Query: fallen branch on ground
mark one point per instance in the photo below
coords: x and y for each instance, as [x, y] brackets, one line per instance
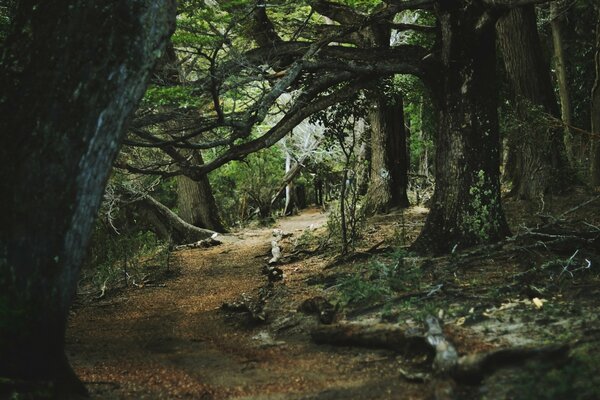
[205, 243]
[433, 344]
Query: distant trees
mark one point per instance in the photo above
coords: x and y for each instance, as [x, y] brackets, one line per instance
[70, 75]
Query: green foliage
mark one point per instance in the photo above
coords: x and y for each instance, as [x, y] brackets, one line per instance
[479, 220]
[7, 9]
[420, 118]
[116, 260]
[355, 221]
[245, 188]
[306, 240]
[171, 96]
[371, 284]
[377, 280]
[362, 6]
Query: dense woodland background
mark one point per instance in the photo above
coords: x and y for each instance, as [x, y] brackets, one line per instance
[132, 127]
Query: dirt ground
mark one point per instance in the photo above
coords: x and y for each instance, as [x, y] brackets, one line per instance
[174, 340]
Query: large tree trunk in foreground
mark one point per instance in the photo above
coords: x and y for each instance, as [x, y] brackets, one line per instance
[389, 164]
[595, 104]
[70, 75]
[196, 202]
[465, 208]
[536, 162]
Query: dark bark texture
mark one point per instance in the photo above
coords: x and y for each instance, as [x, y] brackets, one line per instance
[70, 75]
[389, 165]
[557, 22]
[465, 208]
[595, 108]
[389, 160]
[535, 163]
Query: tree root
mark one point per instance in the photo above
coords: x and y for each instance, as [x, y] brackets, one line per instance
[445, 362]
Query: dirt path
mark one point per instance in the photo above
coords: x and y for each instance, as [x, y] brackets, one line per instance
[175, 342]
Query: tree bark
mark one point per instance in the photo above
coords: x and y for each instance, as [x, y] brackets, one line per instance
[388, 155]
[389, 164]
[535, 153]
[560, 66]
[465, 208]
[595, 107]
[196, 202]
[70, 75]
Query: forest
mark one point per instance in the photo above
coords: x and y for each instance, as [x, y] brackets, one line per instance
[319, 199]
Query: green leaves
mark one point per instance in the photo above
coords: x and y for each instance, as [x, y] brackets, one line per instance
[172, 96]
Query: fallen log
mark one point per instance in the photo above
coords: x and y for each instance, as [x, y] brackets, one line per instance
[445, 363]
[205, 243]
[382, 336]
[162, 221]
[320, 306]
[473, 368]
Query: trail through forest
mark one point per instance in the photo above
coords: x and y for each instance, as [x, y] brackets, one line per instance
[515, 312]
[176, 342]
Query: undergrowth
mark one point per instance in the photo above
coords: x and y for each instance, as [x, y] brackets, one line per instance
[379, 280]
[119, 260]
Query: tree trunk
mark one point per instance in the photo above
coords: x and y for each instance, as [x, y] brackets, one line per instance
[290, 197]
[196, 202]
[536, 152]
[70, 75]
[465, 207]
[389, 164]
[595, 104]
[560, 66]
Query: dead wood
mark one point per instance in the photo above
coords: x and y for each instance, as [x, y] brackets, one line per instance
[383, 336]
[253, 306]
[210, 242]
[472, 368]
[164, 223]
[445, 362]
[319, 306]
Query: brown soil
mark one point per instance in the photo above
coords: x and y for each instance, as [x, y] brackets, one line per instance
[175, 341]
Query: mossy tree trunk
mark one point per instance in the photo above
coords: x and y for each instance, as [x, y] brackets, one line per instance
[465, 208]
[70, 75]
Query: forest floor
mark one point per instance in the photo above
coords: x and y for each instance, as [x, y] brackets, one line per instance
[534, 294]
